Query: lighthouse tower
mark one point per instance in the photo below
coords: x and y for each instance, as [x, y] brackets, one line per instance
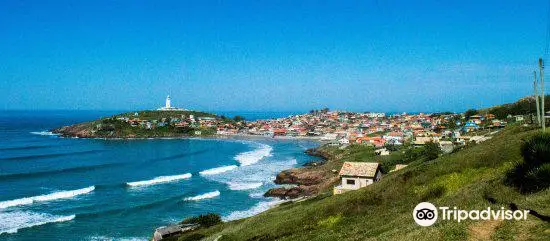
[167, 102]
[168, 106]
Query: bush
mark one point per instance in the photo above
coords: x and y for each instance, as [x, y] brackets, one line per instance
[431, 151]
[205, 220]
[536, 151]
[533, 174]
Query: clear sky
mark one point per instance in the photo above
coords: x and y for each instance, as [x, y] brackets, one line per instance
[368, 55]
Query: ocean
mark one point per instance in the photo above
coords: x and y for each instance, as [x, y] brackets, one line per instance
[54, 188]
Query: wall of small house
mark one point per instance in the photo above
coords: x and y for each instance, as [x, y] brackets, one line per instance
[359, 182]
[378, 175]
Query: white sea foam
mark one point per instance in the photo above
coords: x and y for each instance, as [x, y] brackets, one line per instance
[105, 238]
[161, 179]
[256, 195]
[217, 170]
[258, 208]
[251, 157]
[46, 197]
[44, 133]
[18, 220]
[244, 185]
[203, 196]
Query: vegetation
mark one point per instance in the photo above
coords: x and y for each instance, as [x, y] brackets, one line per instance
[472, 178]
[470, 113]
[205, 220]
[521, 107]
[430, 151]
[533, 173]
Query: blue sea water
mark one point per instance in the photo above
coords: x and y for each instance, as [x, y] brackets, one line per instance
[54, 188]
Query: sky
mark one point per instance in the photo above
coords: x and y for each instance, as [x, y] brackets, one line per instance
[368, 55]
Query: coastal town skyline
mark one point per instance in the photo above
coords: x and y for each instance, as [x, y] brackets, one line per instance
[360, 56]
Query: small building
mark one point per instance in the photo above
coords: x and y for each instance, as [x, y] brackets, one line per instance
[173, 230]
[382, 152]
[355, 175]
[446, 146]
[344, 141]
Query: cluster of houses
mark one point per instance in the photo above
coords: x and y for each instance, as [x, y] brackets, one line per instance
[376, 129]
[343, 128]
[178, 121]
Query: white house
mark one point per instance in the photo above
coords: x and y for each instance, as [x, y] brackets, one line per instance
[375, 114]
[344, 141]
[355, 175]
[382, 152]
[329, 136]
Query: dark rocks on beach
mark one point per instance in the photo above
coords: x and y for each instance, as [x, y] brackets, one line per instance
[300, 176]
[309, 180]
[291, 193]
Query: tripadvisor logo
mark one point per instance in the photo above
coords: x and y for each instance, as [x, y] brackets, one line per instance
[425, 214]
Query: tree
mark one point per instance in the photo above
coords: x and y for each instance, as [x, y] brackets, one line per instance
[238, 118]
[470, 112]
[431, 151]
[204, 220]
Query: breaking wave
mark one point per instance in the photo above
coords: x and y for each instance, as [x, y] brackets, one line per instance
[203, 196]
[251, 157]
[20, 220]
[105, 238]
[258, 208]
[46, 197]
[244, 185]
[161, 179]
[217, 170]
[44, 133]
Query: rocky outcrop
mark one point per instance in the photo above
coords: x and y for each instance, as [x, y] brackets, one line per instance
[293, 192]
[82, 130]
[309, 180]
[300, 176]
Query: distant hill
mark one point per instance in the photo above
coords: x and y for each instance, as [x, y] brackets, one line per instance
[472, 178]
[523, 106]
[143, 124]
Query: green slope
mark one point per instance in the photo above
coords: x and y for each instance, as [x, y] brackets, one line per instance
[472, 178]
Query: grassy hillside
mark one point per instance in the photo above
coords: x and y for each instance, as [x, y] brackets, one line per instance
[472, 178]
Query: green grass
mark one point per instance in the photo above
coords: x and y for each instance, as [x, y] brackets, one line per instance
[467, 179]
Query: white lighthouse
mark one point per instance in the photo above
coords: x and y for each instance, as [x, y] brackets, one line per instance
[168, 106]
[167, 102]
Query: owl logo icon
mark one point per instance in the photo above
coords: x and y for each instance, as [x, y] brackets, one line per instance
[425, 214]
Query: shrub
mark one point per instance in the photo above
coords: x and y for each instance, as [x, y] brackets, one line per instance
[204, 220]
[533, 174]
[536, 151]
[431, 151]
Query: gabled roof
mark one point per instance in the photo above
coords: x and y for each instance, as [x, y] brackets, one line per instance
[359, 169]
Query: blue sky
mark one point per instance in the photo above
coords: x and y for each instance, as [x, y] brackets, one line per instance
[368, 55]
